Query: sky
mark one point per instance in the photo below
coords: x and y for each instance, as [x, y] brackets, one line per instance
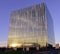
[7, 6]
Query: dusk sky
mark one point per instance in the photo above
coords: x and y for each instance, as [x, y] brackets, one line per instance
[7, 6]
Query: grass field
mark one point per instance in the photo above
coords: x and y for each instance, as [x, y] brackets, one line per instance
[15, 52]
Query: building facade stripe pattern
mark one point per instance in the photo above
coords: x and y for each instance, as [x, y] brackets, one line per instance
[31, 26]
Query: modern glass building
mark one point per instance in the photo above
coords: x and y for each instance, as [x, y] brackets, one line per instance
[31, 26]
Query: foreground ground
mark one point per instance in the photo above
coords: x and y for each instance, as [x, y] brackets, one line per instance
[31, 52]
[19, 51]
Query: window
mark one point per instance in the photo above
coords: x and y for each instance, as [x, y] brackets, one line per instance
[33, 13]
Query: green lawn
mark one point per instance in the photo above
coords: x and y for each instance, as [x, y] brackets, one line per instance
[15, 52]
[12, 52]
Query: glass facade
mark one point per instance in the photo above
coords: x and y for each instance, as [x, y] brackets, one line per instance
[29, 26]
[50, 29]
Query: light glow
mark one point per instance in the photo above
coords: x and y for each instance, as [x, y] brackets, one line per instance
[16, 45]
[28, 44]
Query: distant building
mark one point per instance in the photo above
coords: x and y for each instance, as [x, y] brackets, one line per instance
[57, 46]
[31, 26]
[3, 44]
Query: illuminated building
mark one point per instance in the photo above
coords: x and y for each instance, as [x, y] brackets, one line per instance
[31, 26]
